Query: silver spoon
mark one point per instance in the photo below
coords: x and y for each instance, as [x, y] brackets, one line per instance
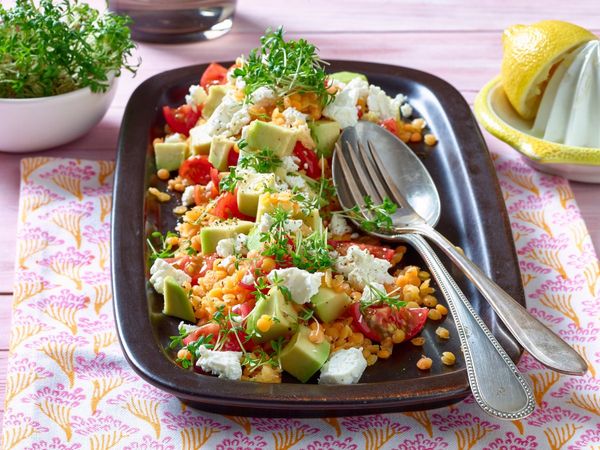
[420, 213]
[497, 385]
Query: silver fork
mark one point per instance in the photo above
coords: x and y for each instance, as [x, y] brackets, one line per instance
[497, 385]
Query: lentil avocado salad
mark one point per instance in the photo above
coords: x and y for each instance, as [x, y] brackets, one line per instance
[263, 268]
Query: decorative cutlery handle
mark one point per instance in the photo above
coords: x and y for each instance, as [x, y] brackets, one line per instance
[496, 383]
[534, 336]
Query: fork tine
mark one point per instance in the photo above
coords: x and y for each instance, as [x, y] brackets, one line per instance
[362, 175]
[374, 174]
[385, 175]
[355, 192]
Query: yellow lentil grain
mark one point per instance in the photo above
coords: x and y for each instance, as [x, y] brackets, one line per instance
[418, 341]
[179, 187]
[434, 314]
[410, 293]
[384, 354]
[398, 336]
[424, 363]
[430, 139]
[418, 123]
[163, 174]
[357, 338]
[371, 359]
[161, 196]
[412, 305]
[172, 240]
[268, 264]
[430, 301]
[415, 137]
[424, 275]
[180, 210]
[448, 358]
[442, 333]
[316, 336]
[441, 309]
[184, 353]
[264, 323]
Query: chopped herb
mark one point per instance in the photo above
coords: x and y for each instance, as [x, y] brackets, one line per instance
[312, 252]
[164, 250]
[287, 67]
[306, 314]
[277, 240]
[380, 215]
[257, 359]
[262, 161]
[229, 182]
[378, 296]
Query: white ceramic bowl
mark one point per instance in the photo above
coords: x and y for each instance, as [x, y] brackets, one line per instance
[41, 123]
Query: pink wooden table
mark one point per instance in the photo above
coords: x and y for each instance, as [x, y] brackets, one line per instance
[458, 40]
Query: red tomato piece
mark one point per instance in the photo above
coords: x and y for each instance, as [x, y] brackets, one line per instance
[227, 207]
[190, 266]
[199, 194]
[378, 251]
[196, 169]
[205, 330]
[359, 324]
[391, 125]
[243, 309]
[309, 161]
[182, 119]
[214, 177]
[214, 74]
[232, 158]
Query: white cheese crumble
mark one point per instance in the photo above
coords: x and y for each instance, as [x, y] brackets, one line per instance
[301, 283]
[175, 138]
[240, 83]
[227, 261]
[289, 163]
[293, 117]
[162, 269]
[304, 136]
[187, 198]
[248, 279]
[228, 118]
[186, 327]
[197, 95]
[343, 108]
[225, 247]
[224, 364]
[339, 225]
[263, 96]
[406, 110]
[345, 366]
[361, 268]
[295, 181]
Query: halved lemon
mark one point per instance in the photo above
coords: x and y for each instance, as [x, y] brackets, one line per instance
[531, 52]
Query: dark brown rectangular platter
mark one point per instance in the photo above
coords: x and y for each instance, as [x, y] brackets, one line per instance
[473, 216]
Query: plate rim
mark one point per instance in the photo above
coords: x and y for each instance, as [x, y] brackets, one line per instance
[331, 400]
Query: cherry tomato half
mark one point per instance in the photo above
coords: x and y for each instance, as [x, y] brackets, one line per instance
[232, 158]
[214, 74]
[309, 161]
[196, 169]
[379, 322]
[378, 251]
[182, 119]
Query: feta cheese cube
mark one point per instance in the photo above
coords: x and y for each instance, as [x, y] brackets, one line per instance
[197, 95]
[228, 118]
[361, 268]
[187, 198]
[295, 181]
[293, 117]
[345, 366]
[406, 110]
[248, 279]
[162, 269]
[289, 163]
[175, 138]
[263, 96]
[224, 364]
[301, 283]
[369, 295]
[339, 225]
[225, 247]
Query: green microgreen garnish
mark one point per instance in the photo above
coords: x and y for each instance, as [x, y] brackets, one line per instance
[59, 47]
[261, 161]
[378, 296]
[160, 246]
[381, 214]
[277, 238]
[311, 253]
[229, 182]
[287, 67]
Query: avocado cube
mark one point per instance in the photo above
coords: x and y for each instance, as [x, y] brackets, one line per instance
[285, 318]
[219, 151]
[212, 234]
[200, 141]
[169, 155]
[279, 139]
[347, 77]
[329, 304]
[325, 133]
[250, 189]
[215, 95]
[177, 303]
[253, 241]
[302, 358]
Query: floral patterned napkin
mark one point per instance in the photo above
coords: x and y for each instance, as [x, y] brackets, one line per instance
[69, 387]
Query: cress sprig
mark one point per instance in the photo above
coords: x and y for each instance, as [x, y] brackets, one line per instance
[287, 67]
